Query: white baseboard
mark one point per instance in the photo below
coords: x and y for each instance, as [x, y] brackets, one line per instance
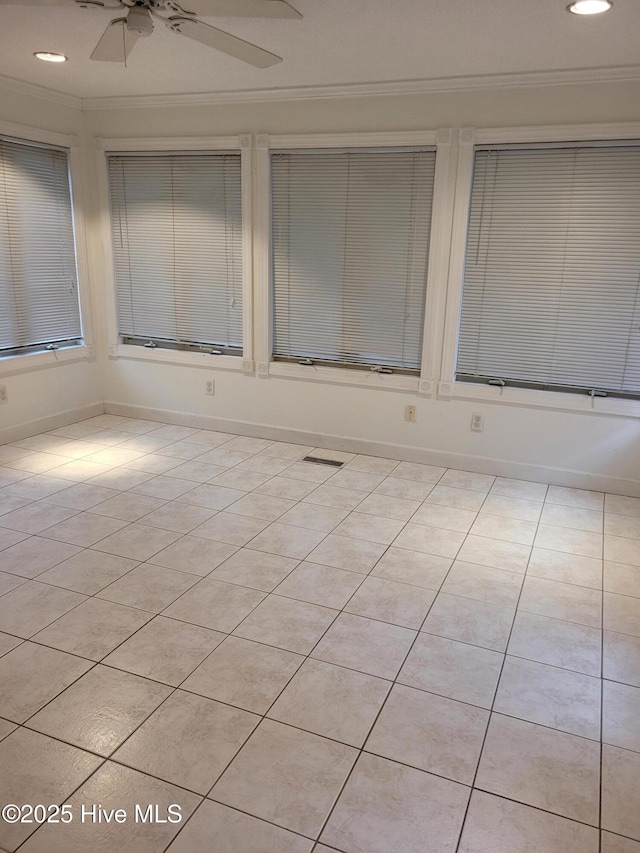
[24, 430]
[447, 459]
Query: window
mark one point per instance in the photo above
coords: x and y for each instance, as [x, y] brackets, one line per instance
[350, 247]
[551, 293]
[177, 238]
[38, 276]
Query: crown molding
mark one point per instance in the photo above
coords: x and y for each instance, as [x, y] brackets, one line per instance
[627, 73]
[20, 87]
[520, 80]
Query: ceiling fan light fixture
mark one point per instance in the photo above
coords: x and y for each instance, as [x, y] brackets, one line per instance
[48, 56]
[139, 21]
[589, 7]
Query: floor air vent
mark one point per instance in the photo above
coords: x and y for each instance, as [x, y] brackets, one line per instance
[319, 461]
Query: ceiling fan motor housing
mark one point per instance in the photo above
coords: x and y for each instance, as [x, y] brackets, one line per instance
[139, 21]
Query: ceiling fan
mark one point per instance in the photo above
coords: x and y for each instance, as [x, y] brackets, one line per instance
[122, 33]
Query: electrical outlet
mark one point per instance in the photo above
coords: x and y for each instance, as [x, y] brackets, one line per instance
[211, 387]
[410, 413]
[477, 422]
[4, 397]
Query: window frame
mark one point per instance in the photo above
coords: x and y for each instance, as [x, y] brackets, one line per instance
[449, 387]
[442, 212]
[13, 363]
[179, 145]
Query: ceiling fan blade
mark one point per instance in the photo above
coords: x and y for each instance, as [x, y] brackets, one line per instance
[116, 43]
[236, 8]
[224, 42]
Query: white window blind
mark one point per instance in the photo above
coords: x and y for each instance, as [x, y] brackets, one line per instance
[552, 274]
[350, 249]
[38, 278]
[177, 238]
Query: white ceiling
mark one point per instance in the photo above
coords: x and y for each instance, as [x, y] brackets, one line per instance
[337, 42]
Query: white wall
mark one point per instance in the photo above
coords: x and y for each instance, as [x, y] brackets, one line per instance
[573, 448]
[566, 448]
[42, 397]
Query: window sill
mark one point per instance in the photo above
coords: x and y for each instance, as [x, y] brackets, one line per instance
[342, 376]
[39, 360]
[538, 399]
[168, 356]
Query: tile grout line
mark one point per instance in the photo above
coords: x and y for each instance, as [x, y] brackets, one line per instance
[306, 658]
[497, 688]
[377, 716]
[602, 624]
[504, 656]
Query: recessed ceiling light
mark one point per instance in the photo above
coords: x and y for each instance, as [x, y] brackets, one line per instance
[589, 7]
[50, 57]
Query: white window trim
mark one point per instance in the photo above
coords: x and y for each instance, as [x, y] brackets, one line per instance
[23, 363]
[448, 386]
[115, 349]
[438, 257]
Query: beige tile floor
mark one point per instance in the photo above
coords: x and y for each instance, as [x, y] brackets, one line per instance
[385, 658]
